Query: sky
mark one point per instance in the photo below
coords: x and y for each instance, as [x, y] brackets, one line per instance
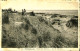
[39, 5]
[49, 6]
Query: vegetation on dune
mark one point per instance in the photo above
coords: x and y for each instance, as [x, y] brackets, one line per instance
[72, 23]
[54, 15]
[5, 18]
[32, 13]
[41, 19]
[34, 31]
[59, 41]
[46, 36]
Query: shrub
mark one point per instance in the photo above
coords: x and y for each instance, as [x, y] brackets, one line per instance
[54, 15]
[40, 41]
[53, 23]
[32, 13]
[72, 22]
[41, 19]
[3, 41]
[26, 27]
[5, 18]
[46, 22]
[63, 16]
[75, 16]
[27, 21]
[58, 41]
[75, 44]
[12, 44]
[46, 36]
[4, 38]
[34, 31]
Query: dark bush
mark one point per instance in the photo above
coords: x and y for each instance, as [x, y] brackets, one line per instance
[72, 22]
[58, 41]
[69, 24]
[72, 44]
[5, 18]
[75, 16]
[33, 42]
[54, 15]
[4, 31]
[53, 23]
[26, 27]
[46, 22]
[27, 21]
[63, 16]
[4, 41]
[12, 44]
[40, 41]
[75, 44]
[34, 31]
[46, 36]
[41, 19]
[32, 13]
[9, 9]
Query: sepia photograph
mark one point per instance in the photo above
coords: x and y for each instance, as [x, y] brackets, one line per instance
[39, 28]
